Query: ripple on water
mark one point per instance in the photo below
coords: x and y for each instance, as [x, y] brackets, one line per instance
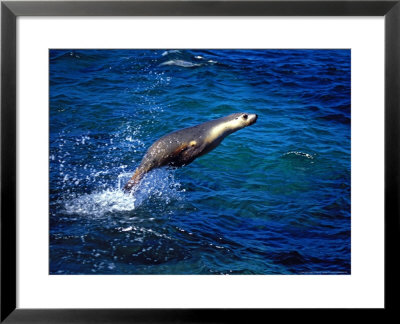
[297, 154]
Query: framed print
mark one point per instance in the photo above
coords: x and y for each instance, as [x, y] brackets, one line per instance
[180, 160]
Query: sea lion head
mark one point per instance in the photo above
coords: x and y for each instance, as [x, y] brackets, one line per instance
[241, 120]
[245, 118]
[227, 125]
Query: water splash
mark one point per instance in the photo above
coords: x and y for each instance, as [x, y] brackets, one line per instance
[158, 186]
[99, 203]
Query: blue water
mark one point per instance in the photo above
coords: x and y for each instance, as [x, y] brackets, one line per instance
[273, 198]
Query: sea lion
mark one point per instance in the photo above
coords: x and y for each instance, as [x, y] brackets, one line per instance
[182, 147]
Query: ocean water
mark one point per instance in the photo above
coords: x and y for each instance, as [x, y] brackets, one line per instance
[272, 198]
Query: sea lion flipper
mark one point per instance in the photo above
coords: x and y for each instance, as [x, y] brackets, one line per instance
[137, 176]
[184, 154]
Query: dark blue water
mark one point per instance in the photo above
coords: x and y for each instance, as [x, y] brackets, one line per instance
[273, 198]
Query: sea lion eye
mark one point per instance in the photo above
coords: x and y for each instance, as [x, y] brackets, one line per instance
[245, 116]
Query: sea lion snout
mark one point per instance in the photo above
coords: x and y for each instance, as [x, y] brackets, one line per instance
[244, 119]
[252, 118]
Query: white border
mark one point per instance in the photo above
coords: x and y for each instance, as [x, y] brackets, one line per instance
[363, 288]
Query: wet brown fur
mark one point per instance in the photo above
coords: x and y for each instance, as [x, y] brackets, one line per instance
[182, 147]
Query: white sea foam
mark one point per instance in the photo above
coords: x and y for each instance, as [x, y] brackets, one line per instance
[158, 184]
[306, 155]
[180, 63]
[99, 203]
[170, 52]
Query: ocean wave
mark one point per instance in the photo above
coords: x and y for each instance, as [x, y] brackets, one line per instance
[181, 63]
[170, 52]
[299, 154]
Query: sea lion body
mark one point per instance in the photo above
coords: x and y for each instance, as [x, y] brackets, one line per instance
[182, 147]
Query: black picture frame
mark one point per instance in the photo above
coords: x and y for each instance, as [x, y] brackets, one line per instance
[10, 10]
